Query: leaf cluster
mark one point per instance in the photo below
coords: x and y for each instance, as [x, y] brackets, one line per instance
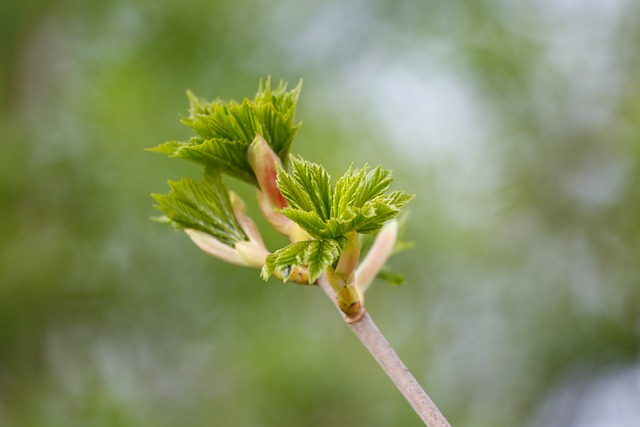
[317, 255]
[226, 129]
[203, 206]
[360, 201]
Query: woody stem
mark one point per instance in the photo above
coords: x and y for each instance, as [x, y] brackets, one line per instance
[371, 337]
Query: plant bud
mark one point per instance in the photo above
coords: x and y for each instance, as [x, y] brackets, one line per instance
[278, 221]
[263, 161]
[349, 303]
[251, 254]
[248, 226]
[214, 247]
[349, 259]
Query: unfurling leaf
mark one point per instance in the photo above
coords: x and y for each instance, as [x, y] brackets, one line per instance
[360, 202]
[214, 219]
[391, 277]
[203, 206]
[226, 129]
[317, 255]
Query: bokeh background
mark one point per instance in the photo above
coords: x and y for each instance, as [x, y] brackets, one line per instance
[517, 124]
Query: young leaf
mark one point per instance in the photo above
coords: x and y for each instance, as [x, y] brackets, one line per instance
[356, 187]
[391, 277]
[201, 206]
[317, 255]
[226, 129]
[360, 201]
[307, 188]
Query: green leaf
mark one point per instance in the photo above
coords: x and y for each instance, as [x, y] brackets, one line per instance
[317, 255]
[374, 213]
[321, 255]
[307, 220]
[307, 188]
[221, 155]
[390, 276]
[355, 188]
[360, 202]
[226, 129]
[201, 206]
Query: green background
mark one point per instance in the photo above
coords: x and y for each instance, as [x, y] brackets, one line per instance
[517, 125]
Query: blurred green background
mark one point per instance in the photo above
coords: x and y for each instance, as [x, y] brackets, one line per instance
[517, 124]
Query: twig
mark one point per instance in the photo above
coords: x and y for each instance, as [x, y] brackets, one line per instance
[371, 337]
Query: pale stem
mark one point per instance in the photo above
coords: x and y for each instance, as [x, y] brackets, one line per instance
[371, 337]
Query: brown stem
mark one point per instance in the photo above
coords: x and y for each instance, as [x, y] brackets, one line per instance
[371, 337]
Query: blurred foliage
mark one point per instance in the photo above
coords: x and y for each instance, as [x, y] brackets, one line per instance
[516, 124]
